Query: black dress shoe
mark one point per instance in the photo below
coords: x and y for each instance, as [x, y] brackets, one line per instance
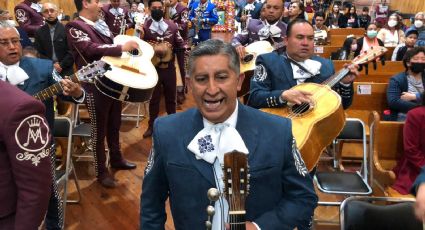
[124, 165]
[180, 98]
[148, 132]
[107, 182]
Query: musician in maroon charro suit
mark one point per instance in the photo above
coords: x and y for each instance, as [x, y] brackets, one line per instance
[114, 16]
[158, 30]
[25, 166]
[180, 15]
[28, 15]
[89, 39]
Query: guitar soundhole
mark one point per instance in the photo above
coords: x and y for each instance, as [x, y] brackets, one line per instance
[300, 109]
[248, 58]
[135, 52]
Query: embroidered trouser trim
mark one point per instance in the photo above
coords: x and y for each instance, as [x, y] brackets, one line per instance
[54, 216]
[105, 116]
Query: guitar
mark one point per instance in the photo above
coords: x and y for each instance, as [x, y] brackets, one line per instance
[315, 126]
[247, 65]
[236, 187]
[252, 51]
[85, 74]
[132, 76]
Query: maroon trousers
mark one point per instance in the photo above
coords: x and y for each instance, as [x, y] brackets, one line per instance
[166, 81]
[105, 117]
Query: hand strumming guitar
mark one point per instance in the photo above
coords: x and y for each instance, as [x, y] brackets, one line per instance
[129, 46]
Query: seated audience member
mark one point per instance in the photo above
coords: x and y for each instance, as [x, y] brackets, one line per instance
[348, 49]
[369, 40]
[409, 43]
[308, 6]
[405, 89]
[296, 10]
[419, 25]
[350, 19]
[334, 18]
[364, 18]
[25, 40]
[320, 30]
[320, 5]
[413, 158]
[381, 13]
[391, 34]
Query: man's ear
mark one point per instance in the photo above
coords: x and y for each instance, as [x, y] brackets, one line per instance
[241, 77]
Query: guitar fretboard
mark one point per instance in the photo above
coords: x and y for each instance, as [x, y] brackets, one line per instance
[53, 89]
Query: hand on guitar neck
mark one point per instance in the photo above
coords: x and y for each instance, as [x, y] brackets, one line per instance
[71, 88]
[354, 72]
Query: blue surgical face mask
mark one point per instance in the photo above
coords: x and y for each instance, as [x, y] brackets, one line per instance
[371, 33]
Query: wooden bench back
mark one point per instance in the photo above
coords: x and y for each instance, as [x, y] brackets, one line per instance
[358, 32]
[386, 138]
[368, 96]
[325, 51]
[337, 40]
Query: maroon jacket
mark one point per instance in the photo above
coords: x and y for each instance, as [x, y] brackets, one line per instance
[181, 18]
[87, 44]
[28, 18]
[172, 36]
[114, 22]
[410, 164]
[25, 168]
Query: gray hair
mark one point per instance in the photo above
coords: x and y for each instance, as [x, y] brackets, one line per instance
[215, 47]
[6, 25]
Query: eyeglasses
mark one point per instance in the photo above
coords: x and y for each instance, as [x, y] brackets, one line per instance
[14, 42]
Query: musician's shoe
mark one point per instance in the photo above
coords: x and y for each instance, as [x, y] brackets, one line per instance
[180, 98]
[123, 165]
[148, 132]
[107, 181]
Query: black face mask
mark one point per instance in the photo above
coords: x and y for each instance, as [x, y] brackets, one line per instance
[52, 22]
[157, 14]
[417, 67]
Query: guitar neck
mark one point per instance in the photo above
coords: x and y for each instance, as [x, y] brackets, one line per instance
[336, 77]
[237, 220]
[53, 89]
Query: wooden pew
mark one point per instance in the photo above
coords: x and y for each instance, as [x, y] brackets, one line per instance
[358, 32]
[386, 145]
[368, 96]
[325, 51]
[337, 40]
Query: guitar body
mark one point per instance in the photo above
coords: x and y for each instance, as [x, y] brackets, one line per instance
[253, 50]
[319, 126]
[132, 77]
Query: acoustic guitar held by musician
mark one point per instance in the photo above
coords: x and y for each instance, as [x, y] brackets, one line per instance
[316, 123]
[132, 76]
